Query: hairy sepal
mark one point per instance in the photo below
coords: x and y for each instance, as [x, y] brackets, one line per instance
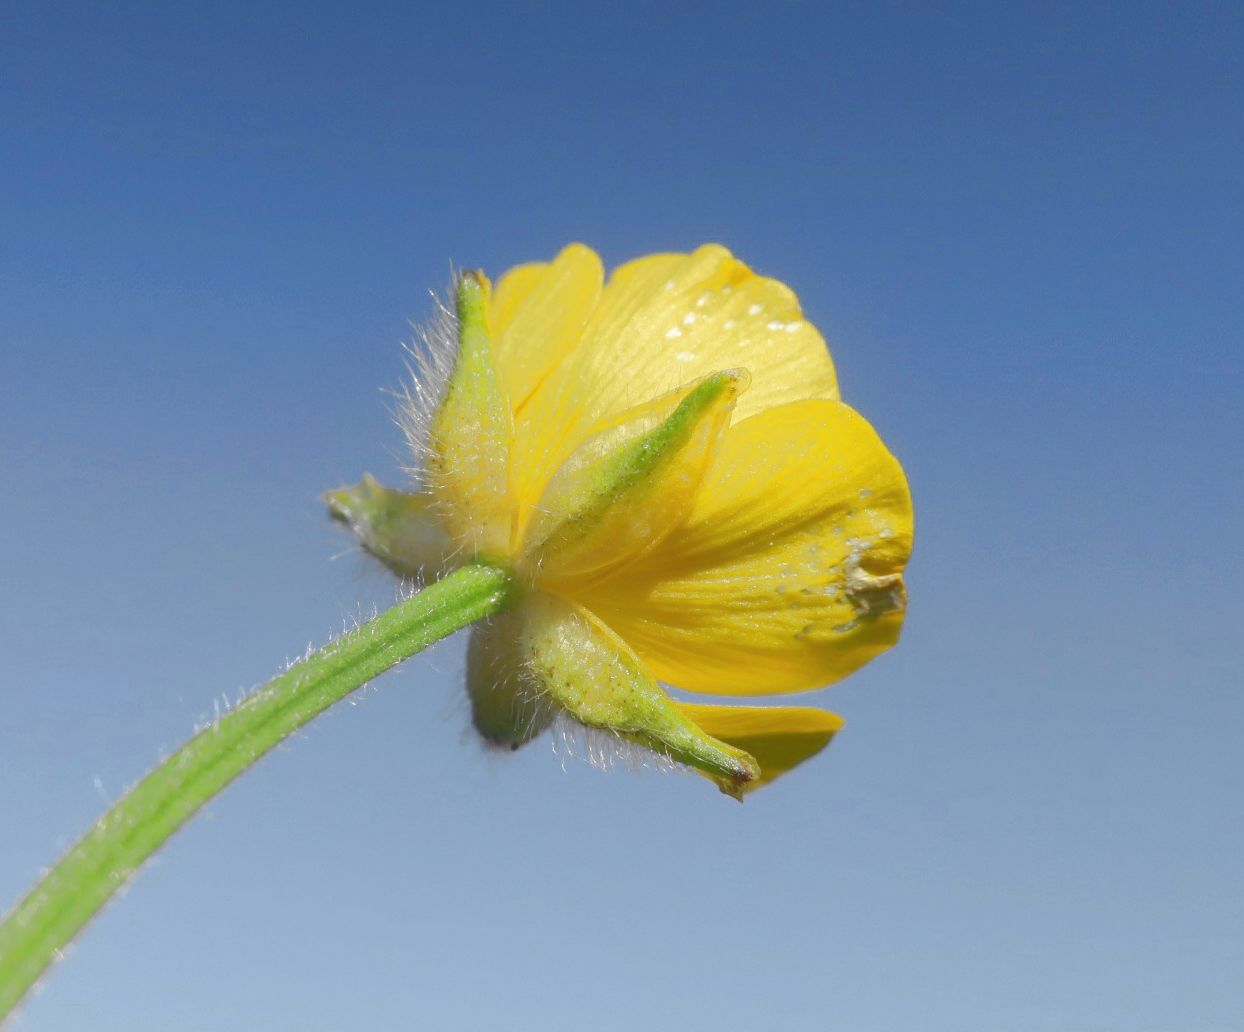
[590, 673]
[469, 441]
[400, 529]
[630, 484]
[508, 704]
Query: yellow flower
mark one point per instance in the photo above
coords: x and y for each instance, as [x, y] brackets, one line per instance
[664, 462]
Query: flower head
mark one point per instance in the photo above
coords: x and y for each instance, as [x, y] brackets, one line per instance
[663, 460]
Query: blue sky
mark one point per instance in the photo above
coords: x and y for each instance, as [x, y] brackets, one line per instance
[1020, 228]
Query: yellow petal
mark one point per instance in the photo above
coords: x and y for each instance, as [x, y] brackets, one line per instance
[662, 321]
[469, 443]
[779, 737]
[590, 672]
[509, 292]
[787, 573]
[537, 315]
[624, 489]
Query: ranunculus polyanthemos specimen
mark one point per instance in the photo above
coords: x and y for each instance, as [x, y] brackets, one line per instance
[641, 480]
[663, 460]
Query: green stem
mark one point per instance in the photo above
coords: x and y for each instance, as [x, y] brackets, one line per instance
[39, 927]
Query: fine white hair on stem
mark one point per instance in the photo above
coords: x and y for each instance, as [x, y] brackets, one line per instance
[223, 704]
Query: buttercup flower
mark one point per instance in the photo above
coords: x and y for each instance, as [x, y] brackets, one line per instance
[663, 461]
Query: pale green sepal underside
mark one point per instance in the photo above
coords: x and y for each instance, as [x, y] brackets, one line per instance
[469, 443]
[632, 483]
[396, 527]
[593, 675]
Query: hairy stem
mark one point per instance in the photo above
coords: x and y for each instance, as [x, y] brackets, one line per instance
[37, 929]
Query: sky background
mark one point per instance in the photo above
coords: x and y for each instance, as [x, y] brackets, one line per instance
[1021, 227]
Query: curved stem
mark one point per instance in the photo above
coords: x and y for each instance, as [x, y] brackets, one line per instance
[38, 928]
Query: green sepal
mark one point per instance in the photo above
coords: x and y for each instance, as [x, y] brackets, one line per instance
[398, 528]
[508, 705]
[632, 483]
[469, 443]
[594, 676]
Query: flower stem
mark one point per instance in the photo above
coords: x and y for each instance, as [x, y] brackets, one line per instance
[36, 931]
